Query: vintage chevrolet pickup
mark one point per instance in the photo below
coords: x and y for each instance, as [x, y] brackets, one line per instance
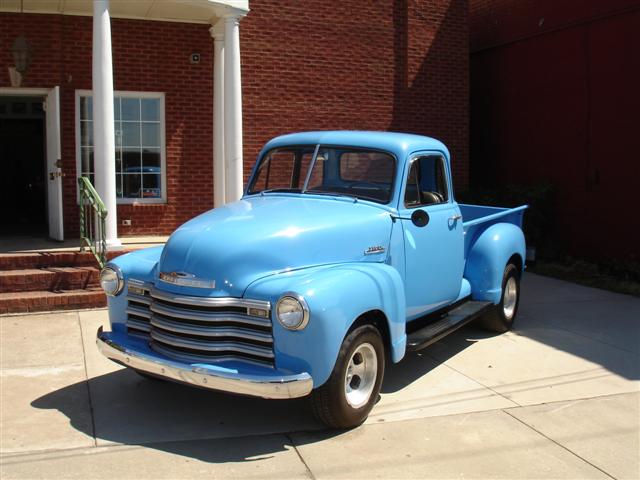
[347, 250]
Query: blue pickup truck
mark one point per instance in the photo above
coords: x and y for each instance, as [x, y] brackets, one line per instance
[347, 250]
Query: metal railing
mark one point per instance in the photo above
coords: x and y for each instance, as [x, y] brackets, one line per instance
[93, 215]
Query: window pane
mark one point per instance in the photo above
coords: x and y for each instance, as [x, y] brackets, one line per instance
[130, 108]
[366, 166]
[131, 161]
[86, 155]
[151, 157]
[86, 133]
[116, 108]
[131, 185]
[151, 186]
[426, 184]
[86, 108]
[151, 134]
[119, 185]
[130, 134]
[118, 161]
[118, 133]
[151, 109]
[275, 171]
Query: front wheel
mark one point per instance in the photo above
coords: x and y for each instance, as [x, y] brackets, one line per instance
[500, 319]
[351, 391]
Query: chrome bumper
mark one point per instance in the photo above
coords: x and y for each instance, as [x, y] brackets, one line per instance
[265, 386]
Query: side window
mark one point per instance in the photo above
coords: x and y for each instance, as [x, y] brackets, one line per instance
[427, 182]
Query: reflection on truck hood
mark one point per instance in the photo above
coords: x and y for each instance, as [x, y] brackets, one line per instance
[236, 244]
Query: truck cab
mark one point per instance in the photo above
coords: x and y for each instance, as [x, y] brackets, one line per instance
[347, 249]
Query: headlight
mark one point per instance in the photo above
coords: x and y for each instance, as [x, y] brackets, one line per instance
[292, 311]
[111, 280]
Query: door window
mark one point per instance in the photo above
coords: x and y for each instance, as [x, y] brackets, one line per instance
[427, 182]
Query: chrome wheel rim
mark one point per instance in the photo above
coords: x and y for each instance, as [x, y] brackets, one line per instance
[360, 376]
[510, 298]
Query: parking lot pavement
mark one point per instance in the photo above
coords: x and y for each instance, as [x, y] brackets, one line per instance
[558, 397]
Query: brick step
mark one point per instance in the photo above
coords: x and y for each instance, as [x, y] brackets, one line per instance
[42, 301]
[20, 261]
[51, 279]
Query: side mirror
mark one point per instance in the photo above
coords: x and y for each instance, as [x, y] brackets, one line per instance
[420, 218]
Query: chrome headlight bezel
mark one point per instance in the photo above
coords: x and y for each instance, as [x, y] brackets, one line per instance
[111, 269]
[292, 298]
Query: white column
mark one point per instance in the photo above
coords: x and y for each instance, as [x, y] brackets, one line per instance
[232, 107]
[103, 128]
[217, 32]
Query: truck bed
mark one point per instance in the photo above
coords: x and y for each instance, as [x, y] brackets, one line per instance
[477, 218]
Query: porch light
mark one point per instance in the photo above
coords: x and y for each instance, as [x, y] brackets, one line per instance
[21, 52]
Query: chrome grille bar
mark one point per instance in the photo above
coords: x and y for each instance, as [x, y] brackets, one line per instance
[210, 317]
[210, 301]
[195, 358]
[210, 346]
[209, 331]
[138, 312]
[134, 324]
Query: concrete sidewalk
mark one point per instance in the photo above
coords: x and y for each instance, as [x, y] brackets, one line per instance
[556, 398]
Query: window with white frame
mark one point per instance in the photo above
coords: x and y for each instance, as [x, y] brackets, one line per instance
[140, 147]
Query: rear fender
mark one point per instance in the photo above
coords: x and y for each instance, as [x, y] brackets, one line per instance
[488, 257]
[337, 295]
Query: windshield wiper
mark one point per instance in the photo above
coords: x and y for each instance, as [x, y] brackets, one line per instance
[331, 194]
[276, 190]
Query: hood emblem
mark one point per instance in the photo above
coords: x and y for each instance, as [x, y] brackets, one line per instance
[374, 249]
[186, 280]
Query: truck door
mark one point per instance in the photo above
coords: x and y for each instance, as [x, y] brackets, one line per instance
[434, 238]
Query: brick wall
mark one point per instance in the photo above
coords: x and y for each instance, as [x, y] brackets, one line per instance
[389, 65]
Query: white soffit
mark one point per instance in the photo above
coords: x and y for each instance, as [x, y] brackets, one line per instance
[188, 11]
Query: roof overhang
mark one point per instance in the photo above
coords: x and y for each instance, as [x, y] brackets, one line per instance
[186, 11]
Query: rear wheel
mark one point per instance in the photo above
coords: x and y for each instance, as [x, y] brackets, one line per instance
[500, 319]
[351, 391]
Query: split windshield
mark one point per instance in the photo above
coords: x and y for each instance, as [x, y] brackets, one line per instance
[354, 172]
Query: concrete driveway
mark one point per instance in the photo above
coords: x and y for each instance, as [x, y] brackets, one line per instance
[556, 398]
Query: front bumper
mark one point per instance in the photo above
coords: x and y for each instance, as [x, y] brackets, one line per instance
[271, 385]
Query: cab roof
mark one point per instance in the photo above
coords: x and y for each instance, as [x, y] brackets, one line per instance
[400, 144]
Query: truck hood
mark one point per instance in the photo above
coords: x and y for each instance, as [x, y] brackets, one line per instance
[246, 240]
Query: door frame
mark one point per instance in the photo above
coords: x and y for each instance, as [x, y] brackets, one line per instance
[44, 93]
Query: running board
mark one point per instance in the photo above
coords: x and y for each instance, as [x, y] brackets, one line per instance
[456, 318]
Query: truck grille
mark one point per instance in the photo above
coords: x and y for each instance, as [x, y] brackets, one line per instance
[200, 329]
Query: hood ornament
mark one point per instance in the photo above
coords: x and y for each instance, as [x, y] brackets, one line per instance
[186, 280]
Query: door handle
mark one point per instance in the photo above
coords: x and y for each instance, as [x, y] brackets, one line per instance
[455, 218]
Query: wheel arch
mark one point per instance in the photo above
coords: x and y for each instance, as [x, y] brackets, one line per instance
[488, 256]
[378, 319]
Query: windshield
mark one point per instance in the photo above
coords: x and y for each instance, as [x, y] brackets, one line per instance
[355, 172]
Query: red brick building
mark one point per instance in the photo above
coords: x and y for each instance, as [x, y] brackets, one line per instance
[386, 65]
[555, 99]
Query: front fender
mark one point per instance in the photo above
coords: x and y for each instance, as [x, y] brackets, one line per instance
[488, 256]
[139, 264]
[337, 295]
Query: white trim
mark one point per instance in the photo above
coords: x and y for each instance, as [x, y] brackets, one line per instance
[23, 92]
[163, 145]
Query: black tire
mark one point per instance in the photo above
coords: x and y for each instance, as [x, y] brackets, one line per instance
[500, 319]
[330, 402]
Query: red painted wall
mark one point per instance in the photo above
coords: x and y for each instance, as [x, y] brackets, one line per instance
[388, 65]
[555, 99]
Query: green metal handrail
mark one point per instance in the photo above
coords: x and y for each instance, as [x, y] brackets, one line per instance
[92, 233]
